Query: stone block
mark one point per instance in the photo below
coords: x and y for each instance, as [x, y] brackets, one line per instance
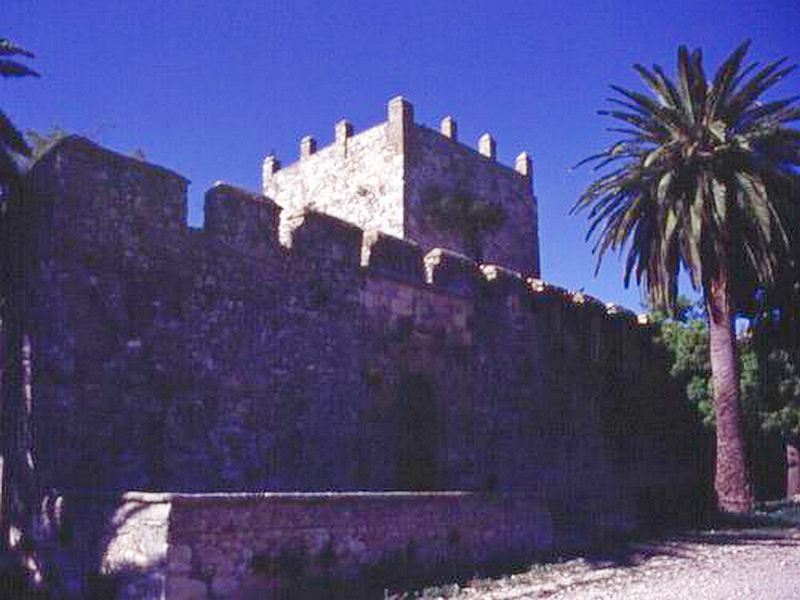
[388, 255]
[308, 146]
[179, 560]
[321, 236]
[487, 146]
[588, 301]
[503, 282]
[449, 128]
[184, 588]
[223, 586]
[451, 271]
[524, 165]
[240, 219]
[543, 289]
[620, 312]
[343, 131]
[271, 166]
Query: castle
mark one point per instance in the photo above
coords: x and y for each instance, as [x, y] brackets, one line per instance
[321, 372]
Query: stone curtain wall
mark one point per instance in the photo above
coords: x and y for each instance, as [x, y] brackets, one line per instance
[225, 359]
[316, 545]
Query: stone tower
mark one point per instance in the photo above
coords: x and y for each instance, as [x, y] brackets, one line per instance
[382, 178]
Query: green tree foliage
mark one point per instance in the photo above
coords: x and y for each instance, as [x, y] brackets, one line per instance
[769, 384]
[782, 402]
[699, 181]
[685, 337]
[768, 390]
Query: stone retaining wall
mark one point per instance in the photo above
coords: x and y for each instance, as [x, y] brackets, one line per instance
[320, 544]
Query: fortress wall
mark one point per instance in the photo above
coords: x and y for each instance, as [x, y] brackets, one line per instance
[188, 363]
[420, 371]
[221, 359]
[236, 375]
[359, 178]
[578, 404]
[242, 220]
[435, 162]
[93, 196]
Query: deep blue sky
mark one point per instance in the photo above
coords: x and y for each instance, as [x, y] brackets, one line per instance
[209, 88]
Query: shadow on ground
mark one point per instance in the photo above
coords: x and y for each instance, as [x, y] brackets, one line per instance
[771, 526]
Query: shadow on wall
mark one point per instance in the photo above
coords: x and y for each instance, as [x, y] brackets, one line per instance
[417, 425]
[78, 533]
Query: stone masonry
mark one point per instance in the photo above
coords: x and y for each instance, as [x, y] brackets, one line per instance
[317, 544]
[282, 349]
[380, 179]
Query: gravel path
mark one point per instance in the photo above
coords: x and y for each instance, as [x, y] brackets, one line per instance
[759, 563]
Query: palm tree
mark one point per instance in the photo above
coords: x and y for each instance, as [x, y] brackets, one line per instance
[696, 182]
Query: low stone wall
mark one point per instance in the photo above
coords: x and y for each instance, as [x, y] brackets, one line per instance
[316, 545]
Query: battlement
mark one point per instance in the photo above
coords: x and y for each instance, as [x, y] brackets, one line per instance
[89, 194]
[110, 199]
[452, 271]
[400, 114]
[393, 257]
[381, 179]
[317, 235]
[243, 220]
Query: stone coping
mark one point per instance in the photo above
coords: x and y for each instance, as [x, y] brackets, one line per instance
[167, 497]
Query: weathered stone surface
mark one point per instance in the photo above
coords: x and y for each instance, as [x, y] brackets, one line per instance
[452, 271]
[183, 588]
[223, 360]
[179, 559]
[268, 542]
[183, 363]
[318, 235]
[224, 586]
[359, 179]
[381, 179]
[243, 220]
[387, 255]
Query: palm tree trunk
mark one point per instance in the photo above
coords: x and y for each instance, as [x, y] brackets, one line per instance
[792, 466]
[732, 477]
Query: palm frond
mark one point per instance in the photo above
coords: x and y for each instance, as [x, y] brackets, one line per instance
[11, 137]
[9, 48]
[12, 68]
[699, 179]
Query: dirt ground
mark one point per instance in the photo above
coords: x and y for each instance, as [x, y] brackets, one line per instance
[759, 561]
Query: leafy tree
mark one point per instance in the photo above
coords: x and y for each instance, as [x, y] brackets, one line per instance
[775, 341]
[698, 182]
[769, 385]
[685, 337]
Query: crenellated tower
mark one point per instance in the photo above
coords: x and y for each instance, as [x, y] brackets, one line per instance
[387, 176]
